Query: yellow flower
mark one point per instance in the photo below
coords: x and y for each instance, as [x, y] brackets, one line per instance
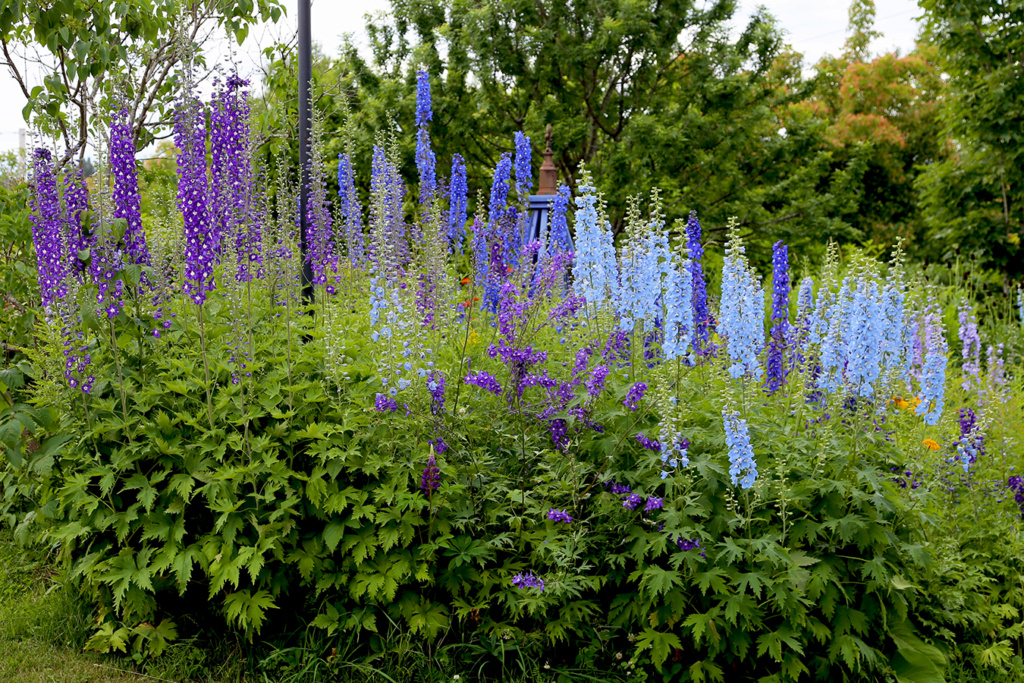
[900, 403]
[931, 444]
[474, 338]
[914, 402]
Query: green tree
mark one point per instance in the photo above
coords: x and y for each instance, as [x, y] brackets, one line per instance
[85, 48]
[973, 201]
[642, 95]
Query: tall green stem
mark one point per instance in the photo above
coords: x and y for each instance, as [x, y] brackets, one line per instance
[206, 365]
[120, 375]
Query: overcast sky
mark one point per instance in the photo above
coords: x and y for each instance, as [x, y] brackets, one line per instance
[813, 27]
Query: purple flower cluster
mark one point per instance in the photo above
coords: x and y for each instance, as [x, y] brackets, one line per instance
[654, 503]
[906, 478]
[484, 380]
[971, 444]
[649, 444]
[598, 376]
[559, 516]
[430, 479]
[525, 580]
[635, 395]
[617, 488]
[632, 501]
[384, 404]
[687, 545]
[559, 434]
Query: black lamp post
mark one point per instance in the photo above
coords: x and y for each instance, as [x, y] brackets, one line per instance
[539, 204]
[305, 73]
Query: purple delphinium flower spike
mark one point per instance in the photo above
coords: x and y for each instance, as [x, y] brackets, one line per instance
[127, 203]
[483, 380]
[703, 323]
[524, 166]
[499, 190]
[457, 204]
[200, 246]
[351, 212]
[971, 444]
[560, 239]
[776, 374]
[436, 387]
[635, 395]
[52, 259]
[971, 341]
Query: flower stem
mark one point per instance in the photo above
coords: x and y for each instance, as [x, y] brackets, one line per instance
[120, 375]
[206, 364]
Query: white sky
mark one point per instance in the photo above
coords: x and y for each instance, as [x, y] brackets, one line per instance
[814, 28]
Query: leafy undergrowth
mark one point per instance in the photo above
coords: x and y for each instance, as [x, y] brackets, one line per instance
[45, 626]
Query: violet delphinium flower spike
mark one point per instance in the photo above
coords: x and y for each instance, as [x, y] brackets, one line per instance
[127, 203]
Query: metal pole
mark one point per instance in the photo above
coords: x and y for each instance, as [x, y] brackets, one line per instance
[305, 73]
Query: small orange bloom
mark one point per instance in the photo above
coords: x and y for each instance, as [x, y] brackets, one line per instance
[931, 444]
[900, 403]
[464, 281]
[510, 269]
[469, 302]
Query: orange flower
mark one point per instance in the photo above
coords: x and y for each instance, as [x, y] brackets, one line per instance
[464, 281]
[469, 302]
[931, 444]
[914, 402]
[900, 403]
